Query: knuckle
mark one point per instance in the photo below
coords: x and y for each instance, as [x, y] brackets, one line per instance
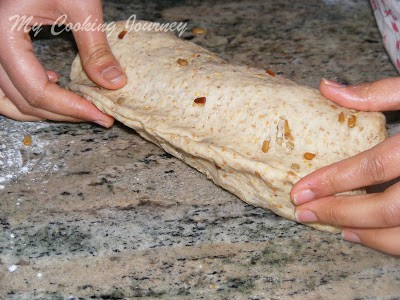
[333, 186]
[37, 97]
[24, 108]
[335, 215]
[373, 238]
[374, 169]
[33, 101]
[368, 89]
[391, 214]
[368, 94]
[331, 181]
[98, 54]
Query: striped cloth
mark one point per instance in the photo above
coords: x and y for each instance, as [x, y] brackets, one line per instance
[387, 14]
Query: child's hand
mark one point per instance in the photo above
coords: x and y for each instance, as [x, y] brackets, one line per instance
[31, 91]
[372, 219]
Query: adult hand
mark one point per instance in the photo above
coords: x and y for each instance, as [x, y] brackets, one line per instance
[372, 219]
[30, 90]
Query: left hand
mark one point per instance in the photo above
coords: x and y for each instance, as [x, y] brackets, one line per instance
[28, 91]
[372, 219]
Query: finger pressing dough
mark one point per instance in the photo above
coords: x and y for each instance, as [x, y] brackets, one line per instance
[253, 133]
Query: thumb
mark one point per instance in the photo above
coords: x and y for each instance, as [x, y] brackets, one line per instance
[97, 59]
[381, 95]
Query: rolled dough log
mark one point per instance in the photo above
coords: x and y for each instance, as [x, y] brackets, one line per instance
[253, 133]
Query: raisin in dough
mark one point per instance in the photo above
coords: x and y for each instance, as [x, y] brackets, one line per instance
[252, 133]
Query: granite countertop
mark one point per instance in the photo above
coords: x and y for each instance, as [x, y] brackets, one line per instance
[95, 213]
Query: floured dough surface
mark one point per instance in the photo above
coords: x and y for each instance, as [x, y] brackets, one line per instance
[253, 133]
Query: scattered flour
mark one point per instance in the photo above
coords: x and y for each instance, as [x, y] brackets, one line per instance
[12, 268]
[17, 159]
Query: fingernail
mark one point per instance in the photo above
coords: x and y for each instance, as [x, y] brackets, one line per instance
[333, 83]
[306, 216]
[350, 236]
[112, 74]
[303, 197]
[53, 79]
[102, 123]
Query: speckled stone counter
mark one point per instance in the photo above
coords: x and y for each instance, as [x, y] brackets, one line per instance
[91, 213]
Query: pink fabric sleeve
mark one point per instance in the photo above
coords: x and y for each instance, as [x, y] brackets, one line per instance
[387, 14]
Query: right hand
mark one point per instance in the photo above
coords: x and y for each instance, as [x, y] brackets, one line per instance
[373, 219]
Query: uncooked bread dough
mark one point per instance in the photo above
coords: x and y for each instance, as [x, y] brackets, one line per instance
[253, 133]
